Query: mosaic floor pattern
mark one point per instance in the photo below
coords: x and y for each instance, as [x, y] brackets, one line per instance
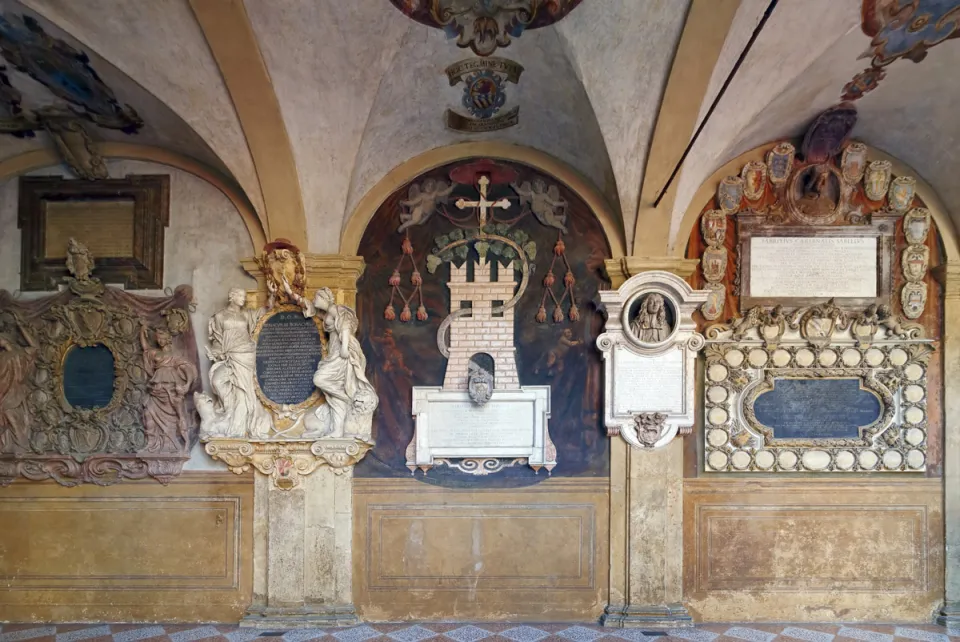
[489, 632]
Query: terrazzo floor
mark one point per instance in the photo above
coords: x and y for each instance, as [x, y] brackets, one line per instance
[489, 632]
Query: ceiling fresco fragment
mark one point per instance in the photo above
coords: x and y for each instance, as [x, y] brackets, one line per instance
[485, 25]
[901, 29]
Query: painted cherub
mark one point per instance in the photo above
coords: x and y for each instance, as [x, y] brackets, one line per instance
[555, 358]
[421, 204]
[544, 202]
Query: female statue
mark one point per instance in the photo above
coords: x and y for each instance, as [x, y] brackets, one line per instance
[650, 324]
[171, 377]
[237, 413]
[16, 366]
[341, 375]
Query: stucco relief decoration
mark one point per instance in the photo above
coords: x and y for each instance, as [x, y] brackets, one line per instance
[795, 380]
[95, 382]
[649, 349]
[816, 389]
[900, 29]
[66, 72]
[288, 380]
[831, 188]
[484, 94]
[486, 25]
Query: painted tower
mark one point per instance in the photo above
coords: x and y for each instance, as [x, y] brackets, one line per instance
[481, 331]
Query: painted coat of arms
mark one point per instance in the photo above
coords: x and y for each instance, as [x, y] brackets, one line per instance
[877, 180]
[714, 263]
[730, 193]
[754, 175]
[914, 263]
[713, 226]
[484, 94]
[916, 225]
[913, 299]
[902, 189]
[854, 162]
[780, 163]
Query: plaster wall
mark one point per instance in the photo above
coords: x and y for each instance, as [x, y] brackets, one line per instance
[203, 246]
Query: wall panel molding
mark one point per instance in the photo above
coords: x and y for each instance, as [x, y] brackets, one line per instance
[427, 552]
[136, 551]
[813, 550]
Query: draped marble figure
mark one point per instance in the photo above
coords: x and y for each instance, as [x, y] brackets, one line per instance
[236, 412]
[171, 376]
[340, 376]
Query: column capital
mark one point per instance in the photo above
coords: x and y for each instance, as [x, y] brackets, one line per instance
[339, 272]
[619, 270]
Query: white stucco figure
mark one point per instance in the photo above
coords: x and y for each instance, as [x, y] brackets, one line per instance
[340, 376]
[234, 410]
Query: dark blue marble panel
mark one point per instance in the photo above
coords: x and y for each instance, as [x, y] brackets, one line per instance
[88, 376]
[288, 351]
[817, 408]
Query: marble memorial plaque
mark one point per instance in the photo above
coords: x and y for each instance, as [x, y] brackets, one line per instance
[648, 383]
[88, 376]
[817, 408]
[288, 351]
[813, 267]
[493, 425]
[513, 423]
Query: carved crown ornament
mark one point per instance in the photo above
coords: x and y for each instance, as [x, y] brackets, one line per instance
[649, 348]
[95, 382]
[288, 379]
[860, 380]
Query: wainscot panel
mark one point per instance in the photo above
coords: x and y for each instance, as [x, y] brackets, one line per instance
[133, 552]
[813, 550]
[536, 553]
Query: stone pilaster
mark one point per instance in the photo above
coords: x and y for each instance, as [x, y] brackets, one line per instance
[302, 537]
[949, 277]
[302, 565]
[646, 509]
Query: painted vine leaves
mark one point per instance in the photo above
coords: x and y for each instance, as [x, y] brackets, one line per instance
[455, 246]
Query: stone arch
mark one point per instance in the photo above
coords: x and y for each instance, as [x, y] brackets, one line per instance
[38, 159]
[356, 223]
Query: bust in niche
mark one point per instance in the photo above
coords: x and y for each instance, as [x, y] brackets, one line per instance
[653, 322]
[819, 192]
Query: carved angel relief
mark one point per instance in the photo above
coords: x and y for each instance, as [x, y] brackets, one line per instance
[94, 382]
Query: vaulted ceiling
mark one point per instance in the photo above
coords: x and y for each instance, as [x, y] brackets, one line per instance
[307, 104]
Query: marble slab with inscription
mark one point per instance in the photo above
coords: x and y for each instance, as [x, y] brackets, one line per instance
[647, 383]
[817, 408]
[288, 351]
[513, 424]
[807, 267]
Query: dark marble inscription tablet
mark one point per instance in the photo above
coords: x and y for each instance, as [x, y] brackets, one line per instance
[288, 351]
[88, 376]
[817, 408]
